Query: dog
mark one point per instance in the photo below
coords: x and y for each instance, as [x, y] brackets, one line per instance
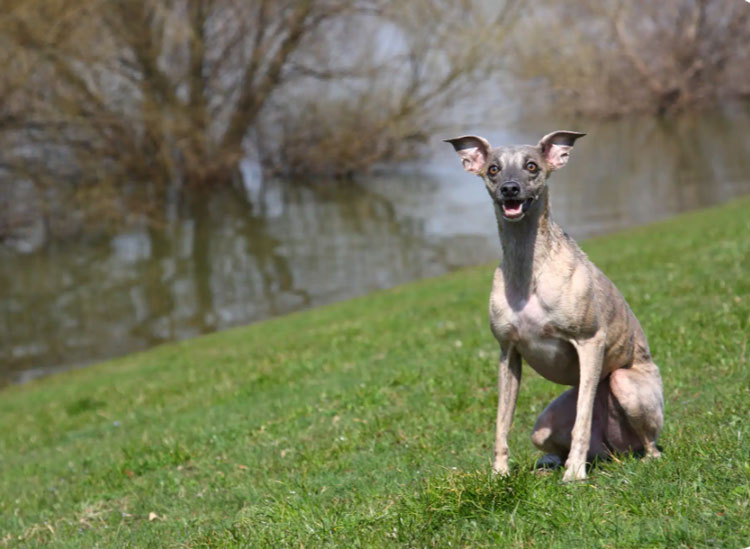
[552, 307]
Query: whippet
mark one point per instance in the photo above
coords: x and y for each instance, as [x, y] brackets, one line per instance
[552, 307]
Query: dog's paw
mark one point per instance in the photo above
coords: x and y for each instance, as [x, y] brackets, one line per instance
[652, 452]
[500, 469]
[575, 472]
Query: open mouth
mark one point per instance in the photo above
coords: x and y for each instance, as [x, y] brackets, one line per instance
[514, 210]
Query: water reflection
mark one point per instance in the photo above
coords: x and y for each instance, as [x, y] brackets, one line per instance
[219, 261]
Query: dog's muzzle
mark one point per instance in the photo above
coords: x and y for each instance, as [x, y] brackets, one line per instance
[514, 210]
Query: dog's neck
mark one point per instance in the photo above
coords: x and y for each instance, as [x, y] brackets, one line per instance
[526, 243]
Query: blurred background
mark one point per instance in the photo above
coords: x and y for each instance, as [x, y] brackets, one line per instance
[174, 167]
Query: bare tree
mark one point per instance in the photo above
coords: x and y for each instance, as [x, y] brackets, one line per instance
[406, 66]
[129, 101]
[169, 88]
[613, 57]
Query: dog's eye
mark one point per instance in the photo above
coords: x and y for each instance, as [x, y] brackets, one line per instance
[493, 170]
[532, 166]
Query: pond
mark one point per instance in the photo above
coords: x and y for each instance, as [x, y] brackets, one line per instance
[232, 259]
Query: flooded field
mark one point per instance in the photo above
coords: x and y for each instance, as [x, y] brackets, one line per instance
[234, 258]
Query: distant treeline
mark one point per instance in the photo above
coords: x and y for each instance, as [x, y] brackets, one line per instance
[112, 106]
[610, 58]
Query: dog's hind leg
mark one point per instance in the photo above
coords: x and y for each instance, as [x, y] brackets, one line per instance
[552, 432]
[636, 398]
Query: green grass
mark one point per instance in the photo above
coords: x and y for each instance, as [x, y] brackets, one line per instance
[370, 423]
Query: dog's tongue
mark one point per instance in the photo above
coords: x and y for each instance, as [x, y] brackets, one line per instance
[512, 207]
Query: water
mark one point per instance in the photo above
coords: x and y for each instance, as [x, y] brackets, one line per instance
[221, 262]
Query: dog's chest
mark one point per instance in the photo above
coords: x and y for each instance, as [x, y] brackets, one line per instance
[526, 320]
[533, 328]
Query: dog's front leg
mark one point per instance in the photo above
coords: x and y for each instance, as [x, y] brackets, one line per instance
[508, 379]
[590, 356]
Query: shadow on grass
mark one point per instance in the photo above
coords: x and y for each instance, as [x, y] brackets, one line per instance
[550, 462]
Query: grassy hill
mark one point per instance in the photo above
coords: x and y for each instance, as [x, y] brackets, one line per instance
[370, 423]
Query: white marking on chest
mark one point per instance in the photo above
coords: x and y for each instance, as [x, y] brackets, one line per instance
[531, 320]
[540, 345]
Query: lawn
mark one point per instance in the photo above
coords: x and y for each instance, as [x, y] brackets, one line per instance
[370, 423]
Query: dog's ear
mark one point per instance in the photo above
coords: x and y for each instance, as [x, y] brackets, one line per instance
[473, 151]
[555, 148]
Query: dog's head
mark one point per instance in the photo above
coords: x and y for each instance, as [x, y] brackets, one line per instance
[515, 176]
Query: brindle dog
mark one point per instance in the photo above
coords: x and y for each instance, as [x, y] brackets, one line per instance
[552, 307]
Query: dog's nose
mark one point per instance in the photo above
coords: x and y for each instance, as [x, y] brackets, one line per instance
[510, 189]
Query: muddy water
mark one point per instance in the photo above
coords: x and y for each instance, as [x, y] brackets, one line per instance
[233, 259]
